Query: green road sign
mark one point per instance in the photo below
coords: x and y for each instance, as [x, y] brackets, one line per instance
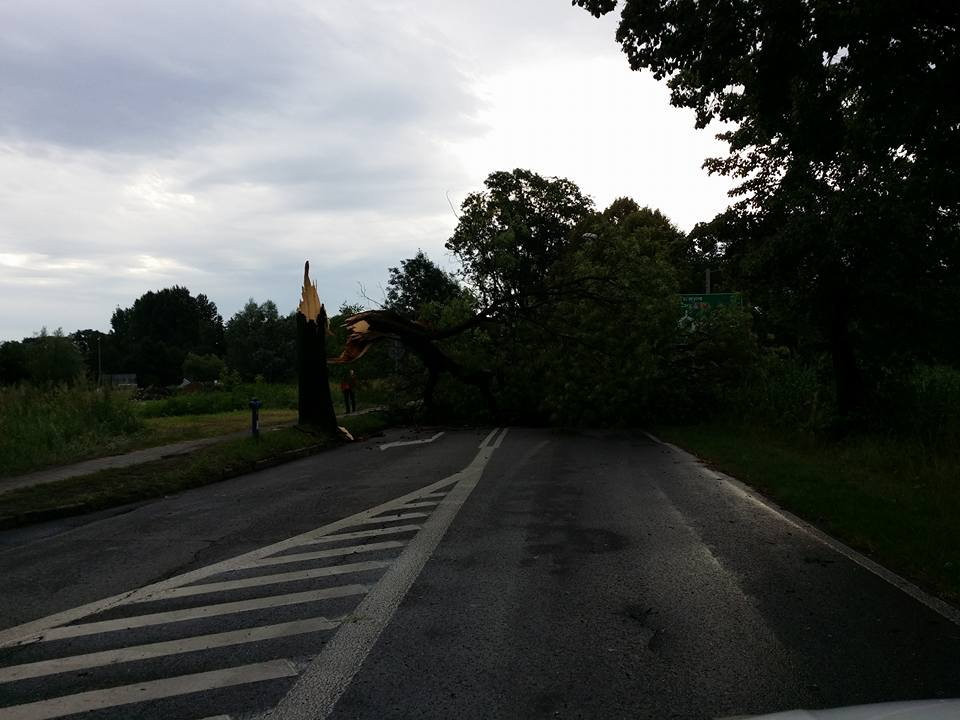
[704, 301]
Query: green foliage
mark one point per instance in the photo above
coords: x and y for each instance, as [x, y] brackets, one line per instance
[261, 342]
[52, 359]
[154, 336]
[416, 282]
[845, 140]
[708, 362]
[46, 425]
[509, 236]
[272, 395]
[13, 363]
[203, 368]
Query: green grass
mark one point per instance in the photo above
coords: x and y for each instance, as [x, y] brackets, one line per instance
[49, 426]
[118, 486]
[895, 501]
[42, 428]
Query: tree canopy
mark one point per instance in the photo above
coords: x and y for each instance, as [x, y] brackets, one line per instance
[844, 136]
[416, 282]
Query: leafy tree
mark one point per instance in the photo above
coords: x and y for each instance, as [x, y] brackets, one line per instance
[202, 368]
[52, 359]
[416, 282]
[13, 363]
[156, 333]
[845, 139]
[261, 342]
[509, 236]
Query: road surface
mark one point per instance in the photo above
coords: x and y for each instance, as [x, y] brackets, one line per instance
[495, 573]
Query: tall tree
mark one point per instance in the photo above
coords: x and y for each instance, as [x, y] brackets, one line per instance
[416, 282]
[261, 342]
[510, 235]
[846, 140]
[157, 332]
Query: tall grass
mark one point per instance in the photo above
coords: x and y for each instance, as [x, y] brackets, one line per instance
[46, 426]
[217, 400]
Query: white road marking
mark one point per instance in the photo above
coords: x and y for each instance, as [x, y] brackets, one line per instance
[29, 631]
[396, 530]
[260, 580]
[486, 440]
[332, 552]
[400, 443]
[745, 491]
[437, 495]
[321, 685]
[392, 518]
[204, 611]
[424, 504]
[163, 649]
[499, 441]
[151, 690]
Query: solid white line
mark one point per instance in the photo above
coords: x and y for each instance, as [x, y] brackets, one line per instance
[396, 530]
[28, 631]
[425, 504]
[205, 611]
[499, 441]
[163, 649]
[486, 440]
[400, 443]
[261, 580]
[940, 607]
[332, 552]
[151, 690]
[392, 518]
[437, 495]
[321, 685]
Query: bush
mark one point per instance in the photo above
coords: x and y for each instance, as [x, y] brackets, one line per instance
[43, 426]
[202, 368]
[922, 403]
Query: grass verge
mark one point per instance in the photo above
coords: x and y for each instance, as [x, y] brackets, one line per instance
[119, 486]
[894, 501]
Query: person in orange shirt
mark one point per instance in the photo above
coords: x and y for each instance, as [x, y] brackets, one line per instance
[348, 386]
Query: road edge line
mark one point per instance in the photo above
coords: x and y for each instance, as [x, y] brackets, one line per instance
[939, 606]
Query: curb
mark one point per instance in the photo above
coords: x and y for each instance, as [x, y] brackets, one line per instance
[10, 522]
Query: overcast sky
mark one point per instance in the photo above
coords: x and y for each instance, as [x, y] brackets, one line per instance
[218, 145]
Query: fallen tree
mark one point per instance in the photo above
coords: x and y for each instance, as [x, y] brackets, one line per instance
[372, 326]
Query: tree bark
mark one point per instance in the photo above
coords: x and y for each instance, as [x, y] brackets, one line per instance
[315, 405]
[849, 385]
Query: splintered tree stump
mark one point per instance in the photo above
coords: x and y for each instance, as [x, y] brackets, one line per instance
[315, 405]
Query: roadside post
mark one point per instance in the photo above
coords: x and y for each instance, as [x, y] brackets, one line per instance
[255, 417]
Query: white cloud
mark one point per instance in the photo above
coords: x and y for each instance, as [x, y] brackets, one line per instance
[160, 142]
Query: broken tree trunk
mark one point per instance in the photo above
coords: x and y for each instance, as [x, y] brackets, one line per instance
[315, 406]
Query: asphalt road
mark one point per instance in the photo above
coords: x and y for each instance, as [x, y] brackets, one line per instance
[522, 574]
